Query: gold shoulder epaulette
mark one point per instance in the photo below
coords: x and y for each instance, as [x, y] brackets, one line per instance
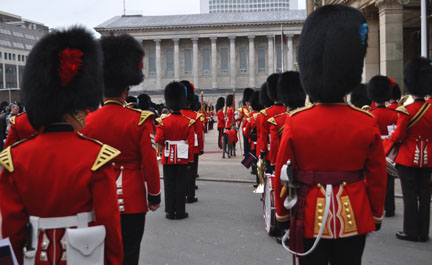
[272, 121]
[294, 112]
[248, 119]
[6, 159]
[239, 109]
[198, 115]
[145, 114]
[12, 120]
[106, 154]
[264, 111]
[361, 110]
[402, 109]
[191, 122]
[255, 116]
[159, 120]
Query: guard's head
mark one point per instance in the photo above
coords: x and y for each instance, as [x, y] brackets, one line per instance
[418, 76]
[255, 101]
[229, 100]
[144, 102]
[247, 93]
[265, 101]
[220, 103]
[379, 89]
[359, 96]
[290, 91]
[123, 63]
[175, 96]
[190, 93]
[272, 81]
[63, 75]
[331, 51]
[396, 92]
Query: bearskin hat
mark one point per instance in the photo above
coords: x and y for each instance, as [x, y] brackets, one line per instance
[265, 101]
[290, 91]
[220, 103]
[247, 93]
[190, 92]
[63, 74]
[418, 76]
[144, 102]
[379, 89]
[359, 96]
[123, 63]
[175, 96]
[229, 100]
[272, 82]
[396, 92]
[331, 51]
[255, 101]
[197, 104]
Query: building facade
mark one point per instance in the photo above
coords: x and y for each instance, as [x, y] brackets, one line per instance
[236, 6]
[216, 52]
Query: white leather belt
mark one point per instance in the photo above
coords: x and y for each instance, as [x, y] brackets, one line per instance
[79, 220]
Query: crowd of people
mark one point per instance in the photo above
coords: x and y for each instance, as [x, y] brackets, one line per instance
[81, 162]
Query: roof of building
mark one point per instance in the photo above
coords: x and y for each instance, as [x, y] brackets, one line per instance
[199, 20]
[17, 37]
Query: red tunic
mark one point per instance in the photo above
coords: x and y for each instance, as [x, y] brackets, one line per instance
[221, 119]
[394, 105]
[277, 124]
[198, 129]
[414, 135]
[264, 126]
[341, 138]
[232, 135]
[384, 117]
[132, 132]
[230, 118]
[176, 127]
[250, 126]
[60, 182]
[20, 129]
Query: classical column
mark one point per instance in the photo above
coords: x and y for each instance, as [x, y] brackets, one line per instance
[270, 53]
[195, 61]
[372, 59]
[251, 61]
[290, 52]
[176, 59]
[213, 62]
[391, 39]
[232, 61]
[158, 65]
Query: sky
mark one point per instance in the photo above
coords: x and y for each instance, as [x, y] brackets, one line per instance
[90, 13]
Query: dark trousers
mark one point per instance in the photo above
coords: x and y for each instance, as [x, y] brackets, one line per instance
[416, 192]
[175, 183]
[246, 146]
[132, 227]
[191, 179]
[342, 251]
[220, 130]
[389, 205]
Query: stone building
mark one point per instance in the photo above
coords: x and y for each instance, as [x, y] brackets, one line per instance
[228, 6]
[217, 52]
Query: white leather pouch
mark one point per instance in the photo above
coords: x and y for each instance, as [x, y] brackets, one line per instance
[85, 245]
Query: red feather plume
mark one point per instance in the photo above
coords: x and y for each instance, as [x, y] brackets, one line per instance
[70, 63]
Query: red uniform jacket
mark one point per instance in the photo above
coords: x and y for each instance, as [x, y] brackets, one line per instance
[230, 118]
[277, 125]
[339, 138]
[132, 132]
[221, 118]
[243, 117]
[384, 117]
[198, 129]
[176, 127]
[250, 126]
[259, 118]
[232, 135]
[414, 135]
[20, 129]
[394, 105]
[56, 174]
[265, 127]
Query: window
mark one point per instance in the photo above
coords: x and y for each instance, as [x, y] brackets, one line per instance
[21, 73]
[188, 61]
[18, 45]
[29, 47]
[19, 57]
[5, 31]
[5, 43]
[169, 62]
[278, 59]
[206, 61]
[10, 56]
[11, 76]
[18, 34]
[0, 55]
[224, 60]
[1, 76]
[243, 60]
[30, 37]
[13, 57]
[152, 62]
[261, 60]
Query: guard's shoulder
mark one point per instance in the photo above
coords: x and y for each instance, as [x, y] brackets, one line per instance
[361, 110]
[272, 121]
[6, 155]
[106, 153]
[280, 114]
[159, 120]
[191, 121]
[255, 115]
[198, 115]
[144, 115]
[12, 120]
[294, 112]
[264, 111]
[402, 109]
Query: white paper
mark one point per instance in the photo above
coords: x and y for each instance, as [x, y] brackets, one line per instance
[6, 242]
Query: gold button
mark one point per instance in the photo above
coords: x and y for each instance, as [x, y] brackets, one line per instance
[349, 216]
[347, 210]
[346, 204]
[320, 205]
[320, 211]
[113, 164]
[344, 183]
[319, 185]
[320, 218]
[350, 223]
[319, 224]
[122, 167]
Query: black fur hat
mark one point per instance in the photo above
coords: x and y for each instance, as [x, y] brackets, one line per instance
[272, 82]
[197, 103]
[418, 76]
[123, 62]
[229, 100]
[290, 91]
[247, 93]
[220, 103]
[144, 102]
[190, 93]
[255, 101]
[396, 92]
[63, 74]
[379, 89]
[175, 96]
[359, 96]
[331, 51]
[265, 101]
